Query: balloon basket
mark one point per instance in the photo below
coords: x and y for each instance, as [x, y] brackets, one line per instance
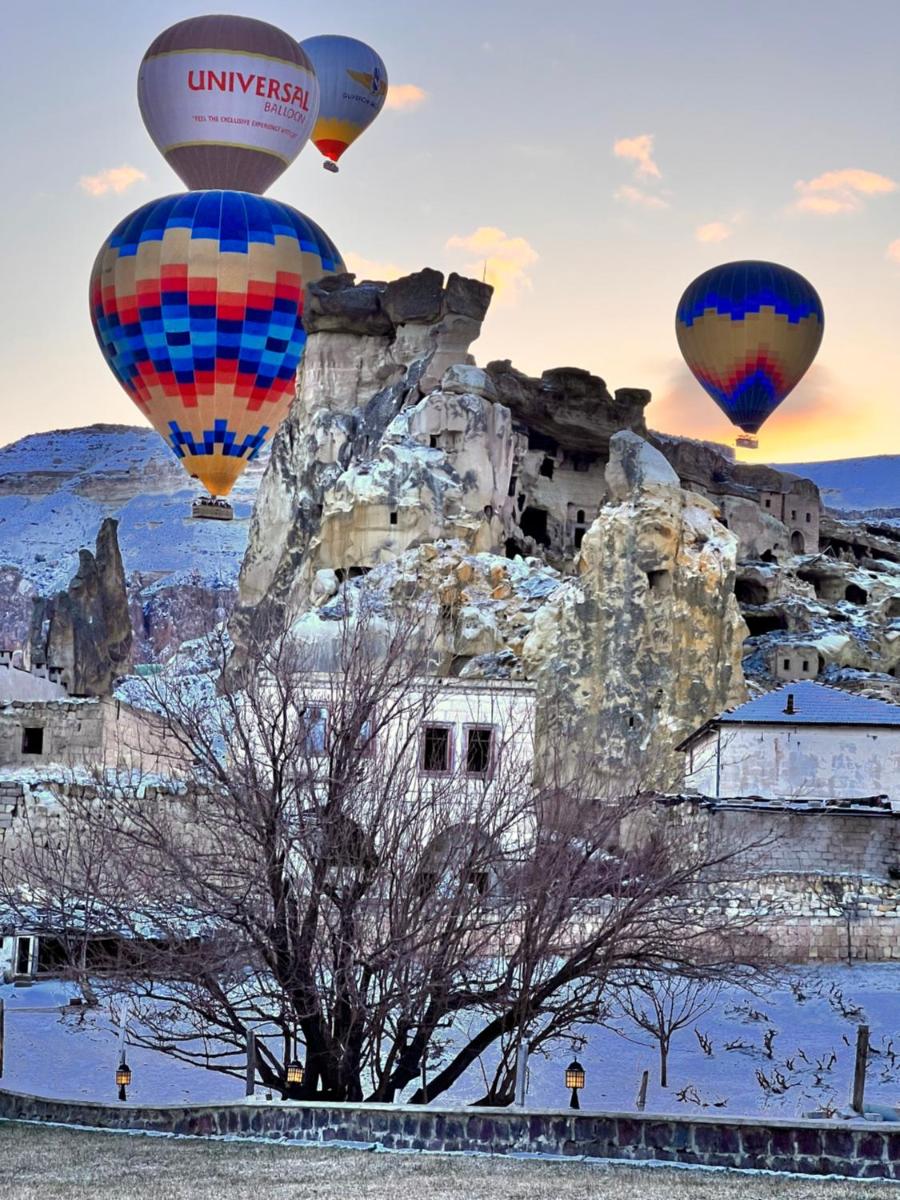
[747, 442]
[211, 508]
[328, 165]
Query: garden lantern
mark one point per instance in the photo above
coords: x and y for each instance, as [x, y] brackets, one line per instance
[123, 1078]
[294, 1073]
[574, 1080]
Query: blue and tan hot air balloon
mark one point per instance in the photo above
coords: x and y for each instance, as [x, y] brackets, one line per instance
[229, 101]
[197, 303]
[353, 87]
[749, 331]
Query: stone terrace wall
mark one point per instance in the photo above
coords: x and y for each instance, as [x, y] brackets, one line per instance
[861, 1149]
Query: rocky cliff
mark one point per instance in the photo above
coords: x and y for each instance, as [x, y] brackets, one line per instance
[550, 544]
[84, 633]
[56, 488]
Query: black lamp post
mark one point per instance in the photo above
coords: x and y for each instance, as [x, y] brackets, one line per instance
[574, 1080]
[123, 1078]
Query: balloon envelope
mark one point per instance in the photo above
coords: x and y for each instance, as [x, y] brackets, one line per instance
[353, 87]
[749, 331]
[229, 101]
[197, 303]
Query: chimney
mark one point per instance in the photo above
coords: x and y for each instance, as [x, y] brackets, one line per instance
[789, 706]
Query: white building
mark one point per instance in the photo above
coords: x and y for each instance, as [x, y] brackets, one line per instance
[803, 741]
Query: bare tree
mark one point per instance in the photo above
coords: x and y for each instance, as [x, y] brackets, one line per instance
[659, 1003]
[333, 876]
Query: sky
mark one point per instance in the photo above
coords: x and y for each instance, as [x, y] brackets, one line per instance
[594, 155]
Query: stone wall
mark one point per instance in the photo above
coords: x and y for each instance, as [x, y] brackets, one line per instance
[822, 882]
[860, 1149]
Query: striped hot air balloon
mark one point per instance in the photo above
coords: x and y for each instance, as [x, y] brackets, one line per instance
[229, 101]
[197, 303]
[353, 87]
[749, 331]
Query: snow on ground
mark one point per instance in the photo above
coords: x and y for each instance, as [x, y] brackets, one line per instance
[74, 1055]
[55, 488]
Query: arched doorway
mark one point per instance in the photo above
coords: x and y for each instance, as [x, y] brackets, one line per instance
[798, 544]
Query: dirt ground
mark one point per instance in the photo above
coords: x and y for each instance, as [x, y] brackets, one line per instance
[40, 1163]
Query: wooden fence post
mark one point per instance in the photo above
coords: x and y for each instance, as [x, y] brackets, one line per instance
[859, 1073]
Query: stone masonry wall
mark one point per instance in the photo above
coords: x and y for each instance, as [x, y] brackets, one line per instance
[861, 1149]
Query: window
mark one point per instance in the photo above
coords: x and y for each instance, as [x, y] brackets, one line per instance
[579, 516]
[806, 664]
[316, 723]
[787, 664]
[32, 740]
[768, 502]
[393, 517]
[435, 749]
[809, 518]
[793, 514]
[479, 744]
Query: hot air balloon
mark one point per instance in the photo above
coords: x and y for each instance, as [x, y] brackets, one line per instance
[229, 101]
[749, 331]
[197, 304]
[353, 87]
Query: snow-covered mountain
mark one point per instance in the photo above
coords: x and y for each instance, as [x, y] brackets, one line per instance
[854, 483]
[55, 488]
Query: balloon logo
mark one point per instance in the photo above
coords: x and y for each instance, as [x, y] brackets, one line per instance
[229, 101]
[197, 304]
[353, 87]
[749, 331]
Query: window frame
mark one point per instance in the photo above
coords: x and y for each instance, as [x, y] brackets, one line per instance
[488, 773]
[451, 730]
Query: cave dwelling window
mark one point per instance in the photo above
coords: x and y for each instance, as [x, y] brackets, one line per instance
[32, 740]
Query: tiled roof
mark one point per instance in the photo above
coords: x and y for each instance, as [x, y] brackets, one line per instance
[813, 704]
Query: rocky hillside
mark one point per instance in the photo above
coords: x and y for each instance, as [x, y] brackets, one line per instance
[55, 490]
[855, 484]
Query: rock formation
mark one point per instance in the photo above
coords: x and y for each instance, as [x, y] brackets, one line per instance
[84, 633]
[633, 653]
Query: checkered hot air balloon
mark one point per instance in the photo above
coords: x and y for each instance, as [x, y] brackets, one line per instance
[229, 101]
[749, 331]
[197, 304]
[353, 86]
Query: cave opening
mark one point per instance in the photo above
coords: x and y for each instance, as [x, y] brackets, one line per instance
[547, 468]
[748, 591]
[660, 581]
[533, 524]
[760, 623]
[855, 594]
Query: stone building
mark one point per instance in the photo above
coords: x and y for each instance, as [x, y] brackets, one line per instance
[802, 741]
[85, 732]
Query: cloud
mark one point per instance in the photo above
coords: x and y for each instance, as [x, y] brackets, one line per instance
[404, 97]
[840, 191]
[629, 194]
[714, 231]
[893, 251]
[112, 179]
[503, 260]
[640, 151]
[370, 268]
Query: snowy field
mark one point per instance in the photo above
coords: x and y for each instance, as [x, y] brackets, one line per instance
[54, 1164]
[804, 1065]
